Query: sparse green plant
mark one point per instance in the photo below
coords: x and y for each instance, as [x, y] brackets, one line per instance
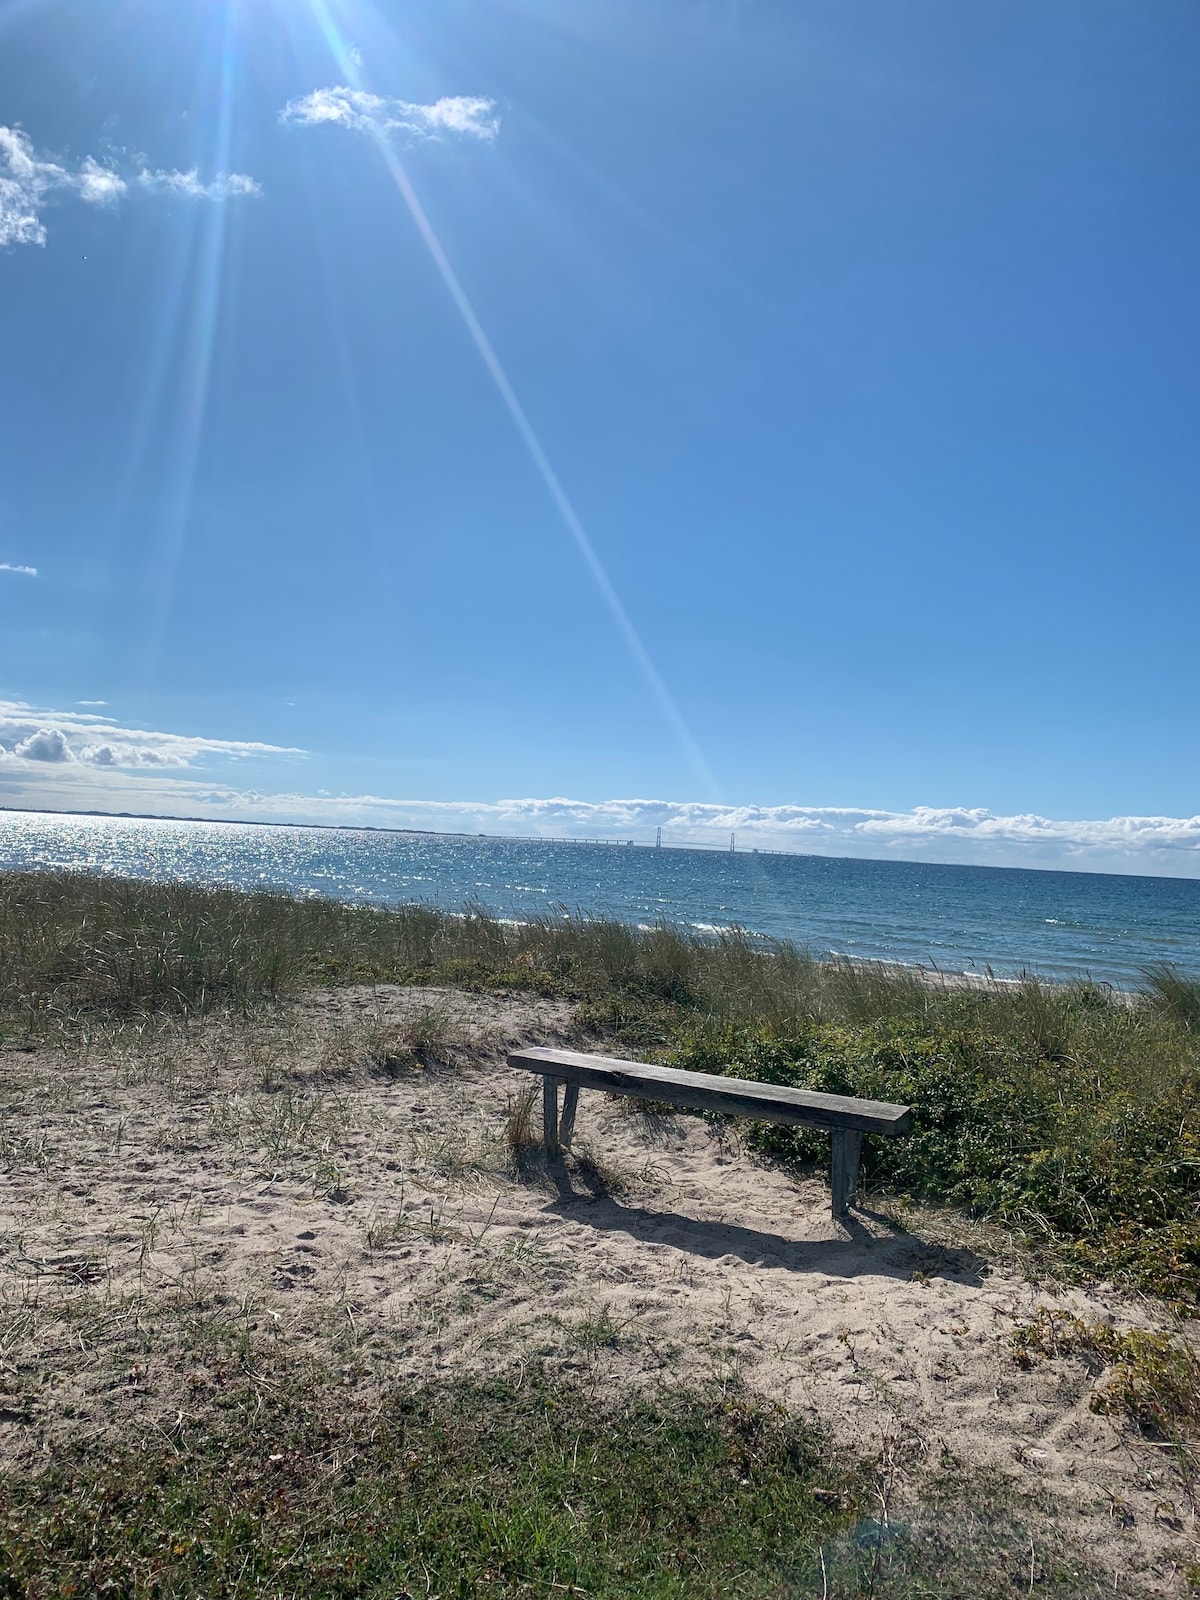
[427, 1030]
[527, 1250]
[457, 1146]
[1174, 995]
[382, 1232]
[282, 1123]
[382, 1048]
[598, 1331]
[266, 1058]
[288, 1128]
[1151, 1378]
[23, 1146]
[434, 1225]
[600, 1173]
[395, 1048]
[327, 1177]
[147, 1238]
[408, 1221]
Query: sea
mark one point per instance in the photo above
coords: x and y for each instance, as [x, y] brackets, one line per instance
[957, 919]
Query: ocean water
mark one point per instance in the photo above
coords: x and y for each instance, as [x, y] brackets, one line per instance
[958, 919]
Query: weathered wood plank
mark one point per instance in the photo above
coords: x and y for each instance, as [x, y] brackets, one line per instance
[550, 1115]
[566, 1126]
[706, 1091]
[843, 1174]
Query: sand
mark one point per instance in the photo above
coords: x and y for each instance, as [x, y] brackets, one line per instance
[283, 1179]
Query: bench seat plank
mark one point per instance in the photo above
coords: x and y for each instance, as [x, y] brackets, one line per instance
[707, 1091]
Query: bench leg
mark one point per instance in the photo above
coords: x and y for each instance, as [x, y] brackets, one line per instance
[843, 1178]
[550, 1117]
[566, 1126]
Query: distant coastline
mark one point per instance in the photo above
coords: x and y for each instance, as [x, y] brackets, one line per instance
[416, 833]
[624, 844]
[238, 822]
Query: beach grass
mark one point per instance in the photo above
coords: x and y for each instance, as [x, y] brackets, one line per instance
[1068, 1113]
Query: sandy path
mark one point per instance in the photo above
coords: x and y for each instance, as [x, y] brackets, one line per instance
[281, 1182]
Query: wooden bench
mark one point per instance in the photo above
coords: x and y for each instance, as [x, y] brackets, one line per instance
[846, 1118]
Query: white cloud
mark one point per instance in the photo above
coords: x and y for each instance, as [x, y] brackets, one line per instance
[19, 219]
[22, 572]
[933, 833]
[82, 760]
[29, 182]
[98, 185]
[187, 185]
[24, 183]
[461, 116]
[45, 744]
[93, 740]
[130, 755]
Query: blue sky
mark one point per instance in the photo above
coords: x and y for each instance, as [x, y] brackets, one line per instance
[784, 411]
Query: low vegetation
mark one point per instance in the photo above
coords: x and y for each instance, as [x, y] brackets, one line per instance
[467, 1489]
[503, 1490]
[1070, 1117]
[1151, 1377]
[1070, 1114]
[1067, 1114]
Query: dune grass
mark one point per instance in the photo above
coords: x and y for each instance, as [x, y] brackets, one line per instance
[1069, 1113]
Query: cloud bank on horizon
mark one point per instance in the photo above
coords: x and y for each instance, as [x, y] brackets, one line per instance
[88, 761]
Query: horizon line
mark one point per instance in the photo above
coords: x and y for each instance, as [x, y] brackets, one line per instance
[578, 839]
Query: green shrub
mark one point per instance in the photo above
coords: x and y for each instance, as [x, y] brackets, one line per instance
[1076, 1154]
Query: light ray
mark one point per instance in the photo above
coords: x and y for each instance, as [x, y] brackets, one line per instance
[200, 340]
[491, 361]
[700, 262]
[153, 368]
[542, 463]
